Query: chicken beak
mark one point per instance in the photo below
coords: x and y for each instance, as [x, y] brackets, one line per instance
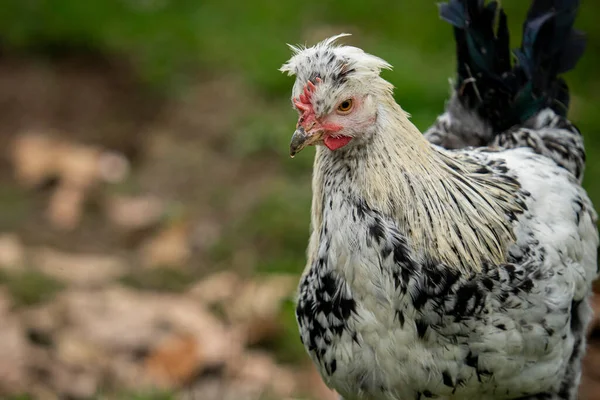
[301, 139]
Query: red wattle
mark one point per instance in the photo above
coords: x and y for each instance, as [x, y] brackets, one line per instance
[334, 143]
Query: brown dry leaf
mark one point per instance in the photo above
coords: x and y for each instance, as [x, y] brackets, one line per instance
[77, 165]
[260, 369]
[12, 253]
[115, 319]
[122, 321]
[128, 373]
[257, 305]
[13, 356]
[220, 345]
[79, 382]
[33, 158]
[84, 270]
[217, 288]
[66, 206]
[133, 213]
[74, 349]
[44, 319]
[169, 248]
[174, 361]
[36, 157]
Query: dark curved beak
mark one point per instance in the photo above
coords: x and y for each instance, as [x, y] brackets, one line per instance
[301, 139]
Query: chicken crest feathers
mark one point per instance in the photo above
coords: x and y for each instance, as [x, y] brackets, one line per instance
[335, 65]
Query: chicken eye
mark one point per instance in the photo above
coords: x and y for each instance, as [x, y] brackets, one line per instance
[345, 106]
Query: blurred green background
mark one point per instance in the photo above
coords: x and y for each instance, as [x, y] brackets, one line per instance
[189, 92]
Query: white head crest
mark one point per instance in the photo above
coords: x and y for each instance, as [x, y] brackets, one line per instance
[333, 64]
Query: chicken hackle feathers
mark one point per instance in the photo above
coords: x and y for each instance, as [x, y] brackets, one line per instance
[437, 273]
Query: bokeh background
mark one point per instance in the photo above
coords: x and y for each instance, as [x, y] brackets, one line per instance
[152, 224]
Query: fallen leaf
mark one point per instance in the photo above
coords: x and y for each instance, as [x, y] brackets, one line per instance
[174, 361]
[77, 165]
[115, 319]
[257, 305]
[33, 158]
[74, 349]
[12, 253]
[13, 356]
[66, 206]
[134, 213]
[217, 288]
[221, 345]
[168, 248]
[260, 369]
[86, 270]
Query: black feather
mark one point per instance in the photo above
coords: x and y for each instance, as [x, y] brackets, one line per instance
[483, 54]
[488, 83]
[550, 47]
[453, 12]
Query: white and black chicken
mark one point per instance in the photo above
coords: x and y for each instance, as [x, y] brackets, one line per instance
[436, 270]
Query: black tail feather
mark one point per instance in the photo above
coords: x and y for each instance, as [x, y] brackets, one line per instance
[483, 54]
[550, 47]
[487, 82]
[482, 47]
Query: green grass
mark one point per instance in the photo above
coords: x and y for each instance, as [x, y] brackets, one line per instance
[276, 229]
[29, 287]
[161, 279]
[150, 395]
[19, 397]
[15, 205]
[288, 348]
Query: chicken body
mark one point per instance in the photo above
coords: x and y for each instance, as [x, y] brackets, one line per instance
[382, 320]
[441, 272]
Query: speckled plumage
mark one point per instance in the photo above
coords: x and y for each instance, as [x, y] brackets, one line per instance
[404, 295]
[546, 133]
[382, 321]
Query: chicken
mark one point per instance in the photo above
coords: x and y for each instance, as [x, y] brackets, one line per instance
[459, 273]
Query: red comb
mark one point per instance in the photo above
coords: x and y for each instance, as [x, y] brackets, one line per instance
[303, 102]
